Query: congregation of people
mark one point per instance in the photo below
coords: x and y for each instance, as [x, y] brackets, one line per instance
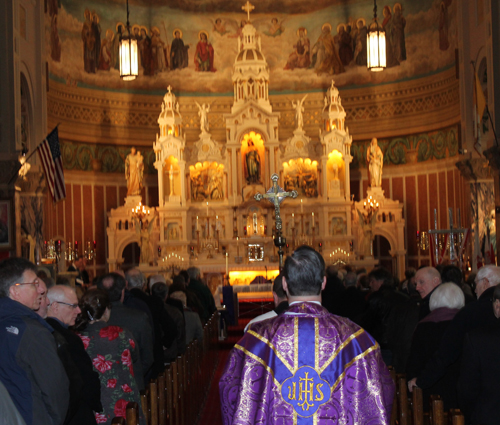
[79, 355]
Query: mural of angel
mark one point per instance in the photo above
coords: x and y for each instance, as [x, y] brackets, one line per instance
[203, 111]
[204, 55]
[276, 28]
[88, 40]
[300, 57]
[388, 26]
[345, 45]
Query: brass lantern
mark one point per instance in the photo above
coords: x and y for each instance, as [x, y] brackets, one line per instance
[129, 62]
[376, 45]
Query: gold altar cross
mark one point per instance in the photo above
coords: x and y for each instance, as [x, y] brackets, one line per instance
[248, 7]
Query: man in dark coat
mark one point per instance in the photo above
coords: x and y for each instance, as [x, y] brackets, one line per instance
[61, 314]
[201, 290]
[426, 279]
[134, 320]
[165, 329]
[30, 368]
[480, 373]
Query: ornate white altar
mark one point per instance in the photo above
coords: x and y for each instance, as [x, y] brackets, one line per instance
[207, 214]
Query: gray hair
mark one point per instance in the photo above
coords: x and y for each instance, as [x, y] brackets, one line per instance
[447, 295]
[194, 273]
[492, 273]
[135, 278]
[59, 293]
[181, 296]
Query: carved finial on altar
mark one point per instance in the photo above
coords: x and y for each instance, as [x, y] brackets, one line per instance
[248, 7]
[276, 195]
[169, 88]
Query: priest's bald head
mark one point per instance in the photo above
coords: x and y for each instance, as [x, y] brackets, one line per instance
[304, 275]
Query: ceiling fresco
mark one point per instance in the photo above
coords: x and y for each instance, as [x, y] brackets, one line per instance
[192, 44]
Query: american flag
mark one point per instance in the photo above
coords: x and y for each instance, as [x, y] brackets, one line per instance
[50, 154]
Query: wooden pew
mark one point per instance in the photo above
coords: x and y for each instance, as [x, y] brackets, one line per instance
[417, 406]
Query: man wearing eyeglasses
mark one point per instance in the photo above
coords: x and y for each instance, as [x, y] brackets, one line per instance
[85, 389]
[30, 368]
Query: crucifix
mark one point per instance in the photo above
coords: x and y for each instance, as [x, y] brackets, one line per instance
[276, 195]
[248, 7]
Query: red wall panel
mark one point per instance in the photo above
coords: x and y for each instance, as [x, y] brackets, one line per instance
[411, 214]
[68, 208]
[100, 224]
[77, 217]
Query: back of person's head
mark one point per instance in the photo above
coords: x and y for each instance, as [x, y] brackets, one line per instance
[304, 272]
[135, 278]
[93, 305]
[151, 280]
[363, 281]
[278, 287]
[496, 293]
[410, 272]
[194, 273]
[383, 275]
[49, 282]
[447, 295]
[452, 273]
[181, 296]
[350, 279]
[332, 272]
[11, 272]
[178, 280]
[113, 284]
[160, 290]
[492, 273]
[185, 275]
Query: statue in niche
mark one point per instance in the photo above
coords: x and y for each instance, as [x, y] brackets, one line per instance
[134, 172]
[375, 159]
[299, 109]
[289, 183]
[252, 158]
[144, 231]
[335, 171]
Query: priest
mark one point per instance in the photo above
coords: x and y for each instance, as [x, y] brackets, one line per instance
[305, 366]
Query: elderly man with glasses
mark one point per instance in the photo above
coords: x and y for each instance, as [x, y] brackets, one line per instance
[30, 368]
[85, 387]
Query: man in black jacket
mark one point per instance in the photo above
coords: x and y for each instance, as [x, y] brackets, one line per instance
[165, 329]
[480, 373]
[62, 311]
[426, 280]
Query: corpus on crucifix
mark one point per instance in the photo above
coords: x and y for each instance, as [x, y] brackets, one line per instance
[276, 195]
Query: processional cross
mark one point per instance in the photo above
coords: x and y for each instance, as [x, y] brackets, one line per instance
[451, 232]
[276, 195]
[248, 7]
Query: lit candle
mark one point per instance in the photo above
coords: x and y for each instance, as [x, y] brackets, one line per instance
[237, 246]
[207, 208]
[301, 207]
[227, 264]
[196, 222]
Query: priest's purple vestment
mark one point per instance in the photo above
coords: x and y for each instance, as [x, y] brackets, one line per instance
[306, 366]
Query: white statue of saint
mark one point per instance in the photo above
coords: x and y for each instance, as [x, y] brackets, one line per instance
[375, 159]
[134, 172]
[203, 111]
[299, 109]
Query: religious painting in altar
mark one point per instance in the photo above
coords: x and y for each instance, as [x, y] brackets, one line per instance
[253, 157]
[301, 175]
[206, 181]
[335, 174]
[338, 226]
[171, 177]
[305, 44]
[172, 231]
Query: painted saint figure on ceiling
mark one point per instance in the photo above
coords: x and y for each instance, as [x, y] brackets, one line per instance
[178, 51]
[300, 57]
[88, 39]
[204, 55]
[327, 58]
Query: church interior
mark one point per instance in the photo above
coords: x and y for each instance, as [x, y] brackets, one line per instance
[240, 126]
[224, 99]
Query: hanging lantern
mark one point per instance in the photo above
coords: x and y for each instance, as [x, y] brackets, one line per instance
[375, 45]
[129, 63]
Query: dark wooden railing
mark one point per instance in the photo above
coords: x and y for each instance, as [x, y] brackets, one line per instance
[177, 395]
[410, 410]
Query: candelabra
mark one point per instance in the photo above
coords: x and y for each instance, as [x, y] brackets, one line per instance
[306, 236]
[90, 251]
[71, 252]
[339, 256]
[139, 213]
[370, 206]
[172, 261]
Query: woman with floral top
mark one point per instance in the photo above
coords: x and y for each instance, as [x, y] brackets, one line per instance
[111, 349]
